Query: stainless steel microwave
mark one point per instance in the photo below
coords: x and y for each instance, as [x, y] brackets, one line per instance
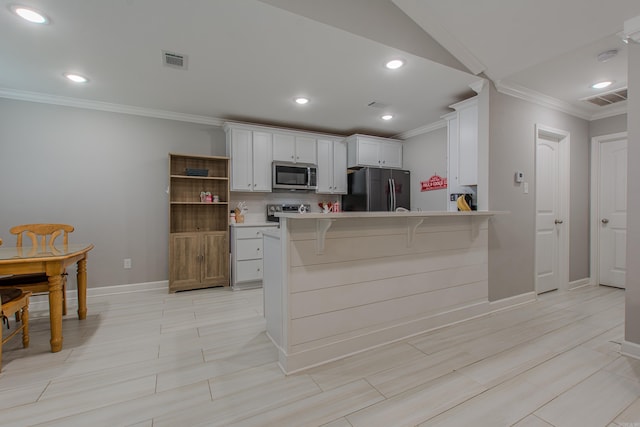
[294, 176]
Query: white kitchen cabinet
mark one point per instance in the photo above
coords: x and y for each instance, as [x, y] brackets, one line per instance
[332, 166]
[246, 255]
[294, 148]
[467, 135]
[251, 154]
[364, 150]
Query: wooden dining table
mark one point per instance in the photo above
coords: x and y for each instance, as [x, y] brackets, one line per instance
[53, 260]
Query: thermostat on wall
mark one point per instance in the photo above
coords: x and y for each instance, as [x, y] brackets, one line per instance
[519, 177]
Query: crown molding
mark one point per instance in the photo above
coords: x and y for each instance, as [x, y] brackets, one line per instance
[612, 110]
[423, 129]
[526, 94]
[105, 106]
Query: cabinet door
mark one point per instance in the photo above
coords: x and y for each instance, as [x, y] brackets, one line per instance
[339, 167]
[284, 148]
[325, 166]
[184, 252]
[468, 145]
[261, 158]
[368, 152]
[241, 160]
[305, 149]
[390, 154]
[215, 260]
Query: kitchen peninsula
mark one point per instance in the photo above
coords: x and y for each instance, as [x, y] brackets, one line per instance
[339, 283]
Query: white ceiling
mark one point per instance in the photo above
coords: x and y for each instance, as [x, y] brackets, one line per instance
[247, 59]
[541, 47]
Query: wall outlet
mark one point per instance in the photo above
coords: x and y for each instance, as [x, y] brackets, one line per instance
[127, 263]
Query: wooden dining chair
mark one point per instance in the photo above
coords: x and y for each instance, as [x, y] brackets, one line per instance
[41, 236]
[15, 302]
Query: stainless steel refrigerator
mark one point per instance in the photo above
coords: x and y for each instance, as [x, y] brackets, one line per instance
[375, 189]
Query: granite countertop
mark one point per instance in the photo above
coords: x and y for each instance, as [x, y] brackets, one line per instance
[408, 214]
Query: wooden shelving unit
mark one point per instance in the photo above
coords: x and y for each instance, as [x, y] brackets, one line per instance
[198, 231]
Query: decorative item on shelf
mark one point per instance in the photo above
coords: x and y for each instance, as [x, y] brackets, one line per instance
[205, 197]
[336, 206]
[216, 198]
[232, 217]
[196, 172]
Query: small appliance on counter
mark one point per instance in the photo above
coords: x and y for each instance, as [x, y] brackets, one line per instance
[286, 208]
[468, 198]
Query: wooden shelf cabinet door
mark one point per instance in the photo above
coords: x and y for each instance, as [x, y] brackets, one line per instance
[185, 249]
[215, 261]
[199, 260]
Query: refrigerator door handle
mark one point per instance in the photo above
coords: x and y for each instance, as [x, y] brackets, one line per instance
[390, 196]
[393, 197]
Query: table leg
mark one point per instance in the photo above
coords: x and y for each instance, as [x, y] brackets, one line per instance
[55, 311]
[82, 289]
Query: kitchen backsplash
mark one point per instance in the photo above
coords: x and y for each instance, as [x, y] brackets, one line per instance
[257, 202]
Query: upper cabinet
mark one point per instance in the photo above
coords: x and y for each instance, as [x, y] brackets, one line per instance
[364, 150]
[332, 166]
[464, 136]
[251, 154]
[294, 148]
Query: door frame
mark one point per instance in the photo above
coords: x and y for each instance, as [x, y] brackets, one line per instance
[594, 261]
[564, 143]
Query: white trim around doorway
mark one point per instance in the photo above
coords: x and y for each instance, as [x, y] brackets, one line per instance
[594, 270]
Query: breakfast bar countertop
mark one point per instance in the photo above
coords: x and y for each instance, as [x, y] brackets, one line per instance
[338, 215]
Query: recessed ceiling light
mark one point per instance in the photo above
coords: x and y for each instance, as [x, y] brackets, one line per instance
[301, 100]
[387, 117]
[30, 15]
[601, 85]
[76, 78]
[394, 64]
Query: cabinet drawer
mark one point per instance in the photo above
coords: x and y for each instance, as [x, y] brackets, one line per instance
[249, 232]
[248, 271]
[249, 249]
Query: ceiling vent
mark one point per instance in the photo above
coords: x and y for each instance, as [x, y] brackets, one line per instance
[174, 60]
[376, 104]
[609, 98]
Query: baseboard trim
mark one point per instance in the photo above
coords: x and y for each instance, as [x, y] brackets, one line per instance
[510, 302]
[630, 349]
[41, 302]
[580, 283]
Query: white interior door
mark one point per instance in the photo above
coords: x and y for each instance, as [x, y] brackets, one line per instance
[551, 211]
[612, 215]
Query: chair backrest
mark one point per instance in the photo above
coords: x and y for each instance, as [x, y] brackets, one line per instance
[43, 232]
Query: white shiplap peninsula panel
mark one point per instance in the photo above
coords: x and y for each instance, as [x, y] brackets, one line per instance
[377, 279]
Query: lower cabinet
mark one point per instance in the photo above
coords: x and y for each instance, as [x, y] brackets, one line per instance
[200, 260]
[246, 255]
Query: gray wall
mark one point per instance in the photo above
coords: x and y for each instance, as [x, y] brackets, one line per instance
[425, 155]
[104, 173]
[511, 236]
[608, 125]
[632, 317]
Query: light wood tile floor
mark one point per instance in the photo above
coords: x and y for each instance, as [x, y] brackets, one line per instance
[202, 358]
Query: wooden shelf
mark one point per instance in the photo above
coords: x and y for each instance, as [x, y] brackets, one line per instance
[198, 231]
[220, 178]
